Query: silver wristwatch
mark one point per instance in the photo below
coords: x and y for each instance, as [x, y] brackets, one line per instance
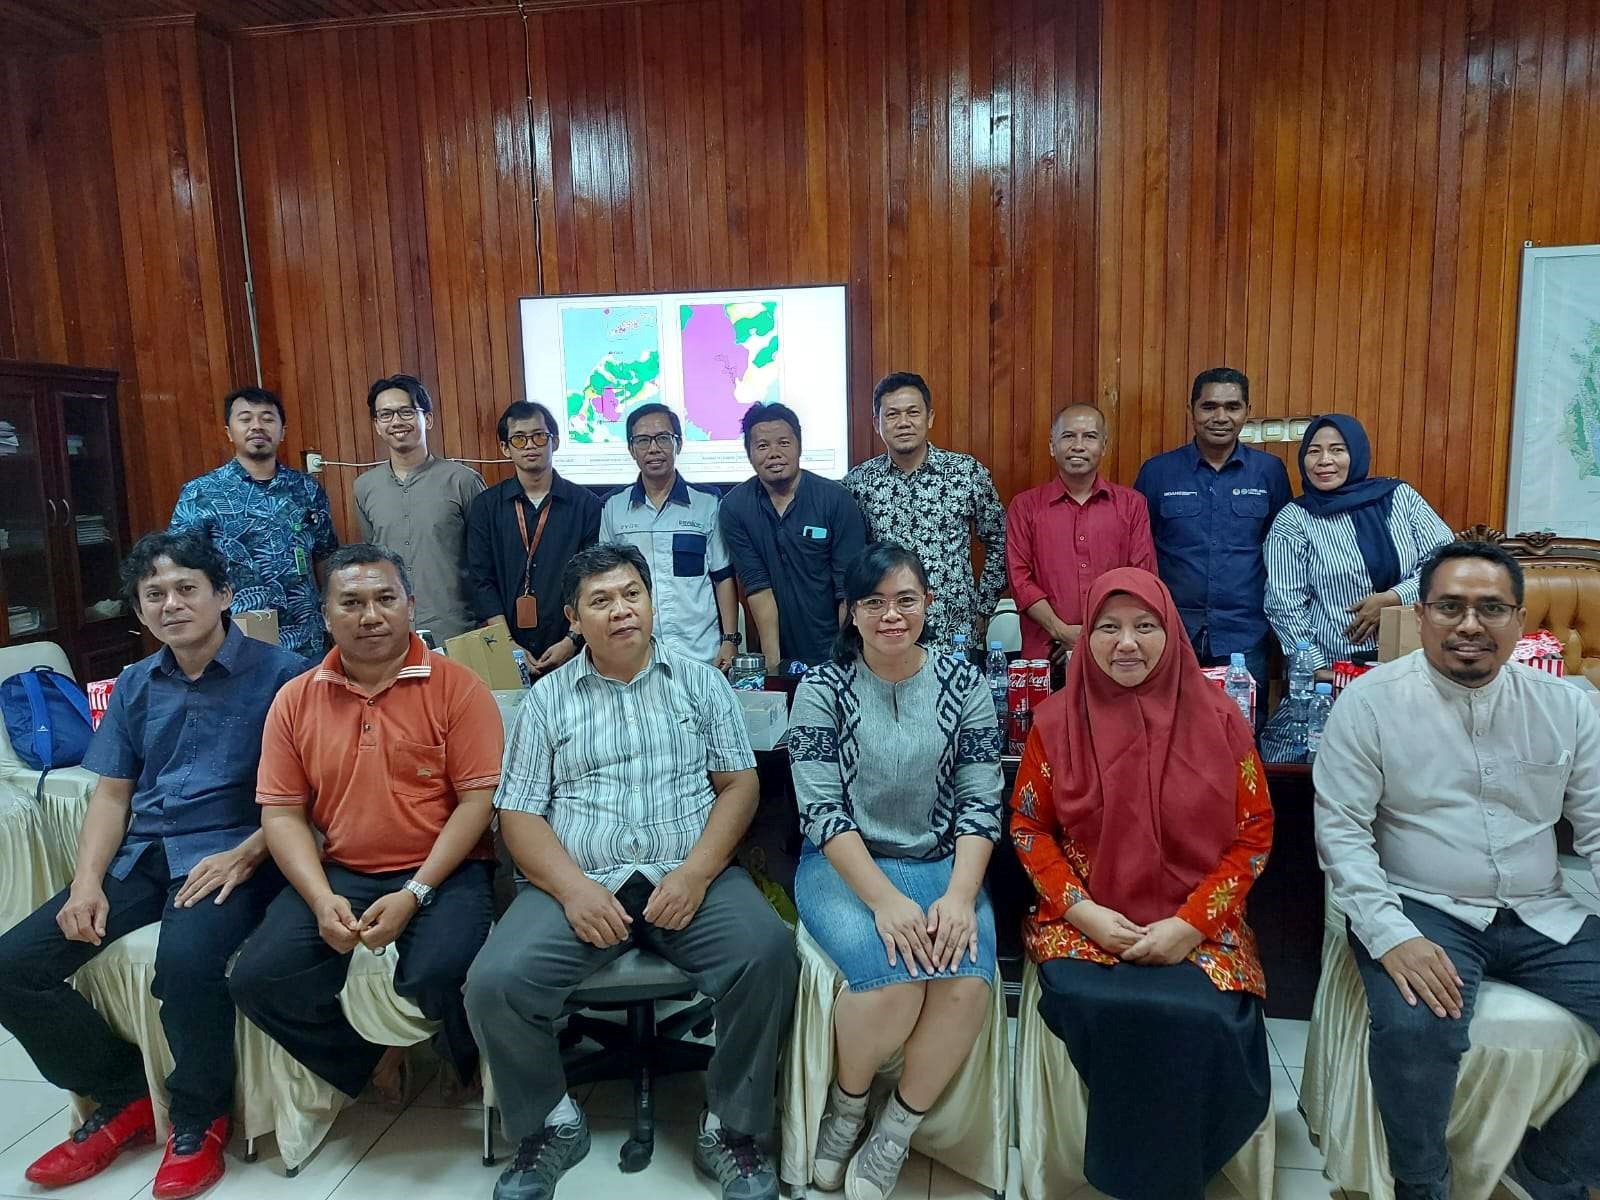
[421, 891]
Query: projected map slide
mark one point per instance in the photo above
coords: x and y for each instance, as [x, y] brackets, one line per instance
[708, 356]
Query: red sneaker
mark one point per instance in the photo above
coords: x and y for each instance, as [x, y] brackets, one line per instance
[193, 1161]
[95, 1145]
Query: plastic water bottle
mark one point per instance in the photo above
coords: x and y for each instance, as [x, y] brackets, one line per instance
[958, 648]
[520, 657]
[1317, 710]
[1239, 683]
[994, 669]
[1302, 678]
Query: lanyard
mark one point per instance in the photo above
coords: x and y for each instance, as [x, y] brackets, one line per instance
[533, 546]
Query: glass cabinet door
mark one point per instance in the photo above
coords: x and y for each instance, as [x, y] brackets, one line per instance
[27, 515]
[89, 510]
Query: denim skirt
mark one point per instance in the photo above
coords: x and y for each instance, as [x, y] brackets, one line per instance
[842, 925]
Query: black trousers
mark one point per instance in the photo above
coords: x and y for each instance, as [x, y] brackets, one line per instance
[287, 979]
[71, 1043]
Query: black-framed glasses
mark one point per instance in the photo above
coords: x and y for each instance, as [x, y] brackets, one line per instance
[521, 441]
[905, 604]
[388, 416]
[1492, 614]
[661, 441]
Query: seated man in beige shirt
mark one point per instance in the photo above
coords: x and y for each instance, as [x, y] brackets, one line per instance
[1439, 784]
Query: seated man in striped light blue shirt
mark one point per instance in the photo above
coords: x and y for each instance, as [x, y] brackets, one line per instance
[628, 784]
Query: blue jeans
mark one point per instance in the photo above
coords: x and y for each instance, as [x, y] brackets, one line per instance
[1414, 1056]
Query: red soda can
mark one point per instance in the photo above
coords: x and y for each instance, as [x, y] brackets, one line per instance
[1016, 684]
[1019, 706]
[1038, 682]
[1021, 721]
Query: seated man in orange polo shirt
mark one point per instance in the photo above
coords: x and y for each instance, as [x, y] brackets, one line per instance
[392, 754]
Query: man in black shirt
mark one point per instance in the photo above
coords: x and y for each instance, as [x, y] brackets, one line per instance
[520, 534]
[791, 535]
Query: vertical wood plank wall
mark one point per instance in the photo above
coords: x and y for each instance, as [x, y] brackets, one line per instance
[1034, 201]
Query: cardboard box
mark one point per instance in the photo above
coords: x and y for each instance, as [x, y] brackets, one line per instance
[1398, 632]
[766, 717]
[488, 652]
[261, 624]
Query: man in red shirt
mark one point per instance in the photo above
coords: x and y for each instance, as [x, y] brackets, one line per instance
[1065, 534]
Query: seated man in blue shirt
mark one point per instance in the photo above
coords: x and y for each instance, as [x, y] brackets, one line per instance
[172, 835]
[1211, 504]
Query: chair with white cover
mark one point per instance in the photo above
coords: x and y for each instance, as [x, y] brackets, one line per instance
[1005, 627]
[273, 1093]
[38, 838]
[1527, 1057]
[1053, 1115]
[968, 1130]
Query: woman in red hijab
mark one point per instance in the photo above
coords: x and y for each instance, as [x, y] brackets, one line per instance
[1141, 816]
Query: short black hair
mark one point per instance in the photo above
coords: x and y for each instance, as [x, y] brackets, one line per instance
[650, 410]
[1220, 375]
[361, 554]
[861, 578]
[523, 410]
[1488, 551]
[191, 551]
[597, 560]
[252, 395]
[893, 382]
[758, 414]
[409, 384]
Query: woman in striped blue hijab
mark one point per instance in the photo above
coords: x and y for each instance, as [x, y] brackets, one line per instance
[1348, 547]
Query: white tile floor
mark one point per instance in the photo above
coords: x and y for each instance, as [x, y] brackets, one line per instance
[429, 1151]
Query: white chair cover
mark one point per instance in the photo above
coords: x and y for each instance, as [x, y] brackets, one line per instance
[1053, 1114]
[1527, 1057]
[968, 1130]
[273, 1093]
[26, 878]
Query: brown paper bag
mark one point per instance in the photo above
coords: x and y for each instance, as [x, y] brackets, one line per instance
[1398, 632]
[488, 652]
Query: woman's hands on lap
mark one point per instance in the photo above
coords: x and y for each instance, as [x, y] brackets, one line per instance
[1166, 942]
[904, 930]
[953, 925]
[1105, 927]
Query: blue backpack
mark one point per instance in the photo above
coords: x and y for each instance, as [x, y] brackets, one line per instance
[47, 720]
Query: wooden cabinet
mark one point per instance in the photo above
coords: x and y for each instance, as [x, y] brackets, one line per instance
[64, 516]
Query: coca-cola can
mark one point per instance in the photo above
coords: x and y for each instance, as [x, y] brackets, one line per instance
[1038, 681]
[1020, 722]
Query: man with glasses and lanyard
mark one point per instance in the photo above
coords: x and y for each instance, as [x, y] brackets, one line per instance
[674, 525]
[1439, 784]
[520, 534]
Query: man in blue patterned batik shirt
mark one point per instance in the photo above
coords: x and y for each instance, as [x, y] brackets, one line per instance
[270, 523]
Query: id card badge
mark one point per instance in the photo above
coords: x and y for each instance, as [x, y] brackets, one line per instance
[527, 612]
[301, 566]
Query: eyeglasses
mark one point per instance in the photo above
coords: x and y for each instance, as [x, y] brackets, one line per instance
[661, 441]
[1492, 614]
[521, 441]
[904, 604]
[388, 416]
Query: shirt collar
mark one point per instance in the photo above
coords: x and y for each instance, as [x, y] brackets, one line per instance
[1451, 690]
[1056, 490]
[678, 495]
[931, 463]
[236, 469]
[586, 667]
[558, 487]
[421, 467]
[417, 666]
[226, 657]
[1196, 458]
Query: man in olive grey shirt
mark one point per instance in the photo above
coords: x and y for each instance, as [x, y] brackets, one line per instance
[415, 505]
[1439, 784]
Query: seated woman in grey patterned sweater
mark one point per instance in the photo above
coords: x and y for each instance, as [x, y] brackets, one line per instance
[896, 758]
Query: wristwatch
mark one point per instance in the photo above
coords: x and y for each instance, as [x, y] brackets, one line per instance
[734, 638]
[421, 891]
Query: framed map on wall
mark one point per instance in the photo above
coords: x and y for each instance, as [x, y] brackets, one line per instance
[1555, 428]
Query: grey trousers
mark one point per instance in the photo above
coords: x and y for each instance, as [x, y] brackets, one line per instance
[736, 951]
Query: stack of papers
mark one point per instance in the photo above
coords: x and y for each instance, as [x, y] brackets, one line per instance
[92, 531]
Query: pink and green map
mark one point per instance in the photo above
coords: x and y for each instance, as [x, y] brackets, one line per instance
[612, 359]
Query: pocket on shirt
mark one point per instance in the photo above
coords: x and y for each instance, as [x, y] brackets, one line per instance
[1544, 782]
[1251, 507]
[1178, 507]
[688, 555]
[418, 769]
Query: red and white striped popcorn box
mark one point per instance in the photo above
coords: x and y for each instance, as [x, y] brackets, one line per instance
[1542, 651]
[99, 699]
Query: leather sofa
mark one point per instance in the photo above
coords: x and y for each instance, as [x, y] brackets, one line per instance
[1563, 591]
